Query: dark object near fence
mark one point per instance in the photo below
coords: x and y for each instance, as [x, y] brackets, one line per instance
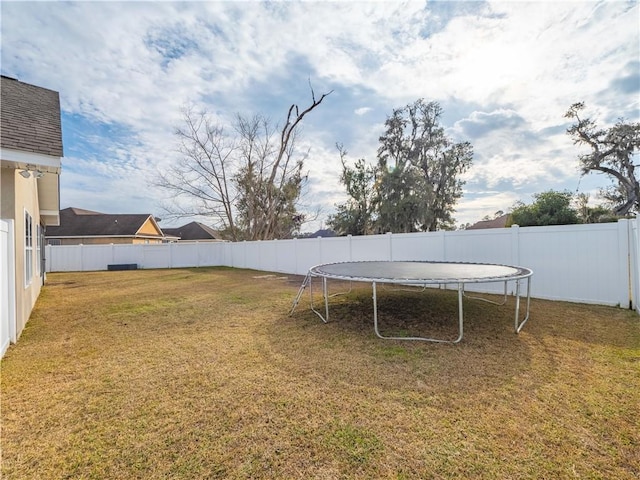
[123, 266]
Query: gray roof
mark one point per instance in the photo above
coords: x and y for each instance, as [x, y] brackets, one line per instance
[75, 222]
[30, 118]
[193, 231]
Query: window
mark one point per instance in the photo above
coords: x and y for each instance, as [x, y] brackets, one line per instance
[54, 241]
[40, 251]
[28, 248]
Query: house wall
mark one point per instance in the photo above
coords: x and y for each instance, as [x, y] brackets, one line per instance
[19, 195]
[148, 228]
[7, 205]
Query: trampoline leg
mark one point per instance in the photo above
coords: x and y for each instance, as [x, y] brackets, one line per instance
[304, 285]
[423, 339]
[493, 302]
[311, 300]
[326, 298]
[518, 324]
[460, 313]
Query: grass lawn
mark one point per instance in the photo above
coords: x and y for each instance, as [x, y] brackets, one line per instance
[201, 373]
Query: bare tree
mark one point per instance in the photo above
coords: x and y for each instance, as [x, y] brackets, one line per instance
[612, 152]
[248, 182]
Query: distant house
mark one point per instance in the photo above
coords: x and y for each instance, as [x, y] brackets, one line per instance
[324, 232]
[194, 231]
[85, 227]
[30, 161]
[499, 222]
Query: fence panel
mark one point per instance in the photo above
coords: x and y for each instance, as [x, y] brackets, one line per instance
[125, 254]
[268, 258]
[415, 246]
[7, 286]
[336, 249]
[309, 254]
[287, 256]
[480, 246]
[371, 247]
[634, 261]
[575, 263]
[592, 263]
[211, 254]
[64, 258]
[184, 255]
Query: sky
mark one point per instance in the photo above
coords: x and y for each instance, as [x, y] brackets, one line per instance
[504, 73]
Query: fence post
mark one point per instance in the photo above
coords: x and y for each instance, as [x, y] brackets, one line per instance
[625, 286]
[515, 245]
[47, 258]
[390, 238]
[350, 247]
[141, 254]
[634, 234]
[276, 254]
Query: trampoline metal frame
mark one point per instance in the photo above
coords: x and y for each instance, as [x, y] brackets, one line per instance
[525, 274]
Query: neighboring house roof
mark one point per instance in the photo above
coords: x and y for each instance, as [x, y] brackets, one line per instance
[499, 222]
[30, 118]
[193, 231]
[324, 232]
[75, 222]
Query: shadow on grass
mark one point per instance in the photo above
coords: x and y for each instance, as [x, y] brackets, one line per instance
[489, 356]
[347, 347]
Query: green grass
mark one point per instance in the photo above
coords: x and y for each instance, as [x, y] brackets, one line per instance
[201, 373]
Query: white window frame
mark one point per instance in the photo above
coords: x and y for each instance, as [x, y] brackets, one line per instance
[28, 248]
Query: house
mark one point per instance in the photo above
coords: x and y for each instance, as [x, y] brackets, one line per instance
[498, 222]
[323, 232]
[86, 227]
[194, 231]
[30, 164]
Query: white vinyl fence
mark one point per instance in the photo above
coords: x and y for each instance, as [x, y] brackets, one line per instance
[7, 286]
[594, 263]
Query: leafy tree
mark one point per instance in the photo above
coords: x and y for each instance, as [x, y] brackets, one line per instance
[612, 152]
[355, 216]
[549, 208]
[597, 214]
[497, 214]
[418, 171]
[248, 180]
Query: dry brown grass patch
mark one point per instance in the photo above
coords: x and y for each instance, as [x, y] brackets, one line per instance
[200, 373]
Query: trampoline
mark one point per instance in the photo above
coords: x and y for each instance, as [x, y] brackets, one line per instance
[421, 274]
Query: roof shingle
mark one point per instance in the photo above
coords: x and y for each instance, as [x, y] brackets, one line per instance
[30, 118]
[193, 231]
[75, 222]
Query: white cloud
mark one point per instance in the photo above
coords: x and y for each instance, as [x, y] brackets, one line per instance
[362, 110]
[507, 70]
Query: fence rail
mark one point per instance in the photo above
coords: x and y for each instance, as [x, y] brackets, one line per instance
[593, 263]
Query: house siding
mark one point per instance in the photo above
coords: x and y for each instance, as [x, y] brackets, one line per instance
[148, 228]
[19, 195]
